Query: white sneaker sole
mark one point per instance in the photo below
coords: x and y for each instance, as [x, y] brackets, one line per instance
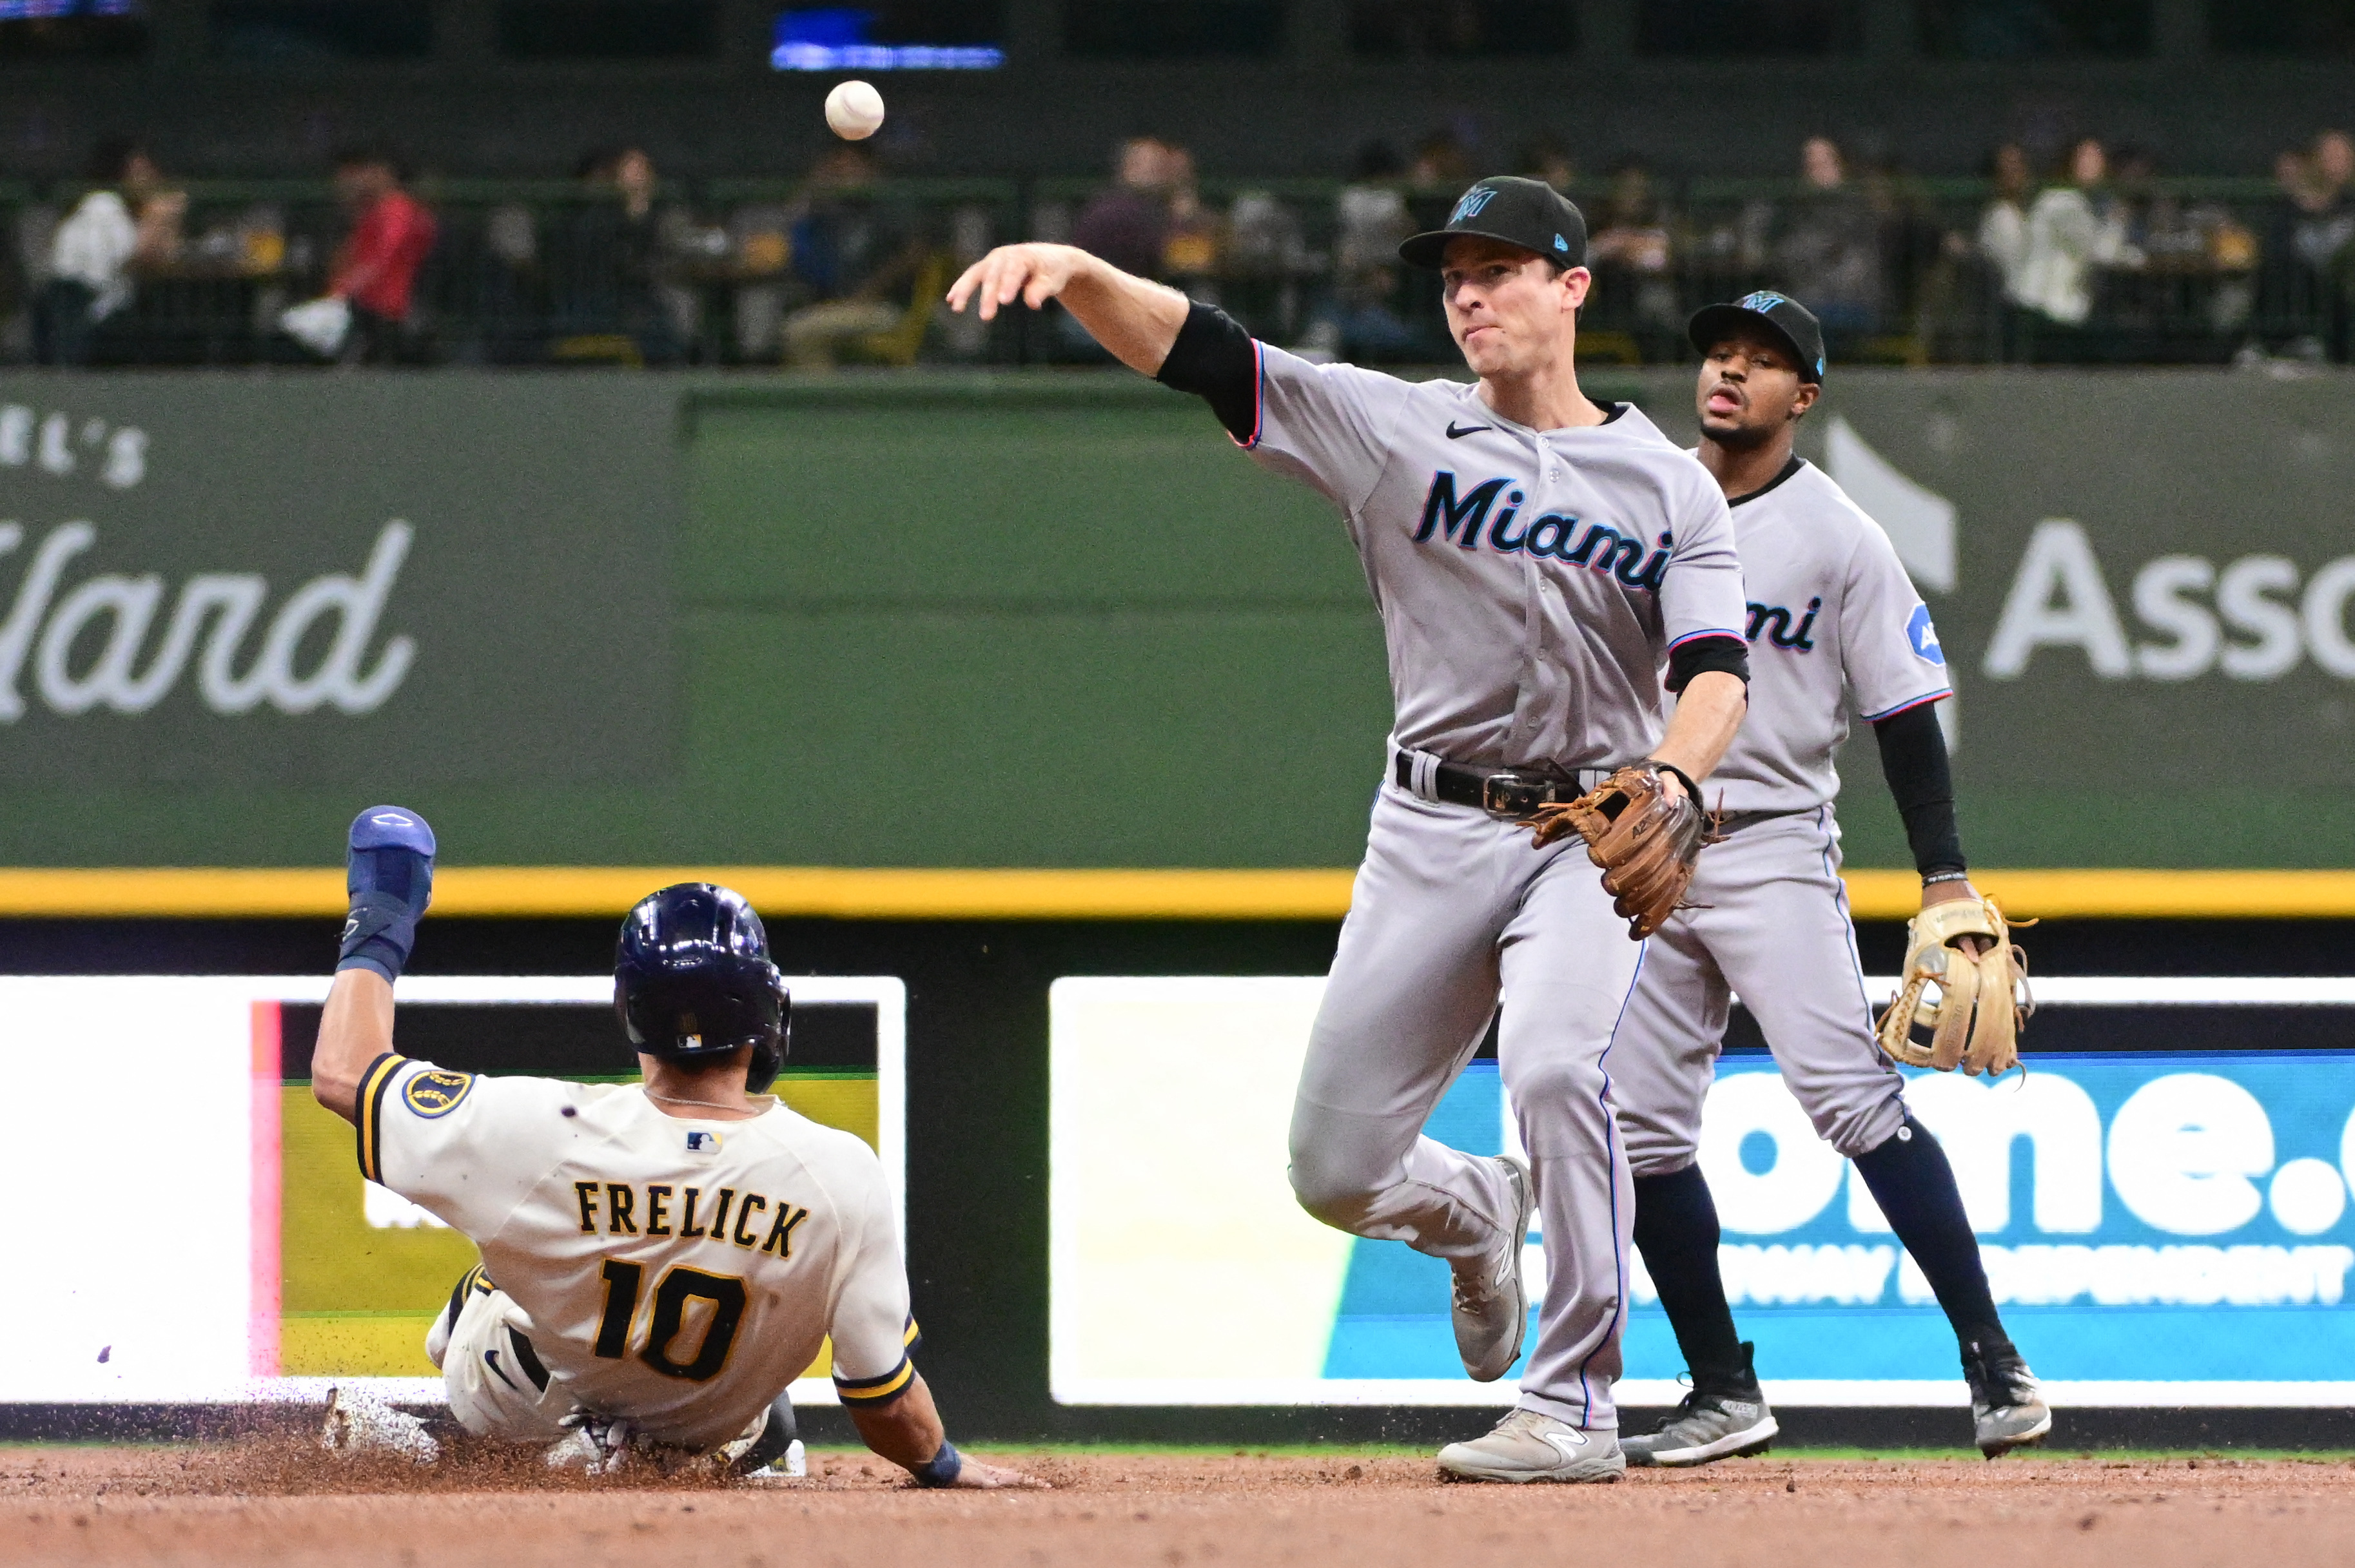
[1738, 1445]
[2000, 1447]
[1527, 1187]
[1584, 1471]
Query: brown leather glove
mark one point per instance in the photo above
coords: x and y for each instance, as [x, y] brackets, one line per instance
[1982, 1003]
[1644, 839]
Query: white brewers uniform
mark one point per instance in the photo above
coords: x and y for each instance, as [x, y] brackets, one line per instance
[678, 1274]
[1831, 611]
[1530, 585]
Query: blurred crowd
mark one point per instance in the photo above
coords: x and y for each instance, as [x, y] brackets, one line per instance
[2082, 253]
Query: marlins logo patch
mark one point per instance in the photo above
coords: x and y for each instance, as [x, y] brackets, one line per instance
[1474, 200]
[436, 1092]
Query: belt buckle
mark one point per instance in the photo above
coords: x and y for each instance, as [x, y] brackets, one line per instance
[1513, 794]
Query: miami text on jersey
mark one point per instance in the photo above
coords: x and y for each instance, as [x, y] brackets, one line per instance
[1775, 623]
[617, 1204]
[1601, 548]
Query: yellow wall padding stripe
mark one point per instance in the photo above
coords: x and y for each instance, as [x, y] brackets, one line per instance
[784, 892]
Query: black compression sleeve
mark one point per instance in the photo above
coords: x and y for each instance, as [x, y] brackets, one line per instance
[1687, 660]
[1215, 359]
[1913, 760]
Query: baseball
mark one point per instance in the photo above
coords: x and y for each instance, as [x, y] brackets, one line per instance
[855, 109]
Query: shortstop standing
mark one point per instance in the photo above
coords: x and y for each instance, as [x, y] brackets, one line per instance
[1541, 562]
[1831, 612]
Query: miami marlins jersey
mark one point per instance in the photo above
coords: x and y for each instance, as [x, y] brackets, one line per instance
[1531, 582]
[676, 1273]
[1830, 610]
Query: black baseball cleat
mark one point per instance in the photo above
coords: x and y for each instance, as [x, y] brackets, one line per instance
[2007, 1410]
[774, 1452]
[1724, 1417]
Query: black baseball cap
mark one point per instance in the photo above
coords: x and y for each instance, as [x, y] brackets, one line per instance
[1530, 214]
[1782, 317]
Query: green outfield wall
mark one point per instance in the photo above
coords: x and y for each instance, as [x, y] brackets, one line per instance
[1045, 619]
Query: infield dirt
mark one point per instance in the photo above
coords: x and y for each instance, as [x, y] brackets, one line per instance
[274, 1501]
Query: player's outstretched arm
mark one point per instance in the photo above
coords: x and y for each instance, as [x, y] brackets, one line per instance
[389, 873]
[354, 1030]
[908, 1432]
[1137, 320]
[1709, 711]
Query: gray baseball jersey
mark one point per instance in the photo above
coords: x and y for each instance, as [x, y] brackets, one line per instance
[1831, 609]
[1531, 583]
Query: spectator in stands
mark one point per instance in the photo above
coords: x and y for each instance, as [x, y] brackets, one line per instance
[1195, 240]
[855, 261]
[1629, 253]
[1361, 320]
[2074, 229]
[126, 223]
[1127, 223]
[375, 269]
[2308, 250]
[1548, 160]
[2002, 238]
[1827, 245]
[605, 264]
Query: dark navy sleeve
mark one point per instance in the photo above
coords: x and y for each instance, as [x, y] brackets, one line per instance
[1215, 359]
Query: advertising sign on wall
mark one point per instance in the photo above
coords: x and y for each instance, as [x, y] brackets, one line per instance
[257, 1262]
[2160, 1227]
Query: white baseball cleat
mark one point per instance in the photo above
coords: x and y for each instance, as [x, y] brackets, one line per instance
[792, 1464]
[1490, 1309]
[1529, 1445]
[359, 1423]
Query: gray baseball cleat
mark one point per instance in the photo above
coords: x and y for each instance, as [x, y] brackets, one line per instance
[1529, 1445]
[2007, 1410]
[1490, 1309]
[1706, 1427]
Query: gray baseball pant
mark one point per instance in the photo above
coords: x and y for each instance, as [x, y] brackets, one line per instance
[1769, 922]
[1454, 911]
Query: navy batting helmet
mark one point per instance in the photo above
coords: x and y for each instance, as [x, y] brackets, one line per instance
[692, 981]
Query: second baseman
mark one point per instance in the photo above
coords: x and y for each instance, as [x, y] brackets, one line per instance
[1832, 613]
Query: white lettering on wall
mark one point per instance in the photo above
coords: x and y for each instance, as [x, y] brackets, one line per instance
[2183, 1150]
[2060, 598]
[1804, 1175]
[83, 647]
[52, 444]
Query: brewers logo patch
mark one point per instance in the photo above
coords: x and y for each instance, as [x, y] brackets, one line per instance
[436, 1092]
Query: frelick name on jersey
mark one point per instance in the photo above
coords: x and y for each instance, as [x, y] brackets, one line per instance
[615, 1203]
[1601, 548]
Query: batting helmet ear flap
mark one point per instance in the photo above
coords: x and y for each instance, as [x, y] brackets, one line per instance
[769, 1055]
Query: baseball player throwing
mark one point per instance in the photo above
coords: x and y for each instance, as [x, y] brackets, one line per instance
[1831, 610]
[1541, 562]
[659, 1260]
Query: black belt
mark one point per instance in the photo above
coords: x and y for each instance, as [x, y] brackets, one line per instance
[1501, 791]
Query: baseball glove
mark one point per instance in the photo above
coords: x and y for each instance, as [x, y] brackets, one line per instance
[1644, 839]
[1982, 1002]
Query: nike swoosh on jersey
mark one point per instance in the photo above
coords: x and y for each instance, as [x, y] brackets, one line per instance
[1455, 435]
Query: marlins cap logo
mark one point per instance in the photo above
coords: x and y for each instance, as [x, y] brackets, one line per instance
[436, 1092]
[1761, 301]
[1474, 200]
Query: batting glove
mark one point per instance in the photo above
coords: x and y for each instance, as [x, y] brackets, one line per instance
[388, 871]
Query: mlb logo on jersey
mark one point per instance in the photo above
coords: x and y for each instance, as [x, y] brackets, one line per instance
[1924, 636]
[703, 1143]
